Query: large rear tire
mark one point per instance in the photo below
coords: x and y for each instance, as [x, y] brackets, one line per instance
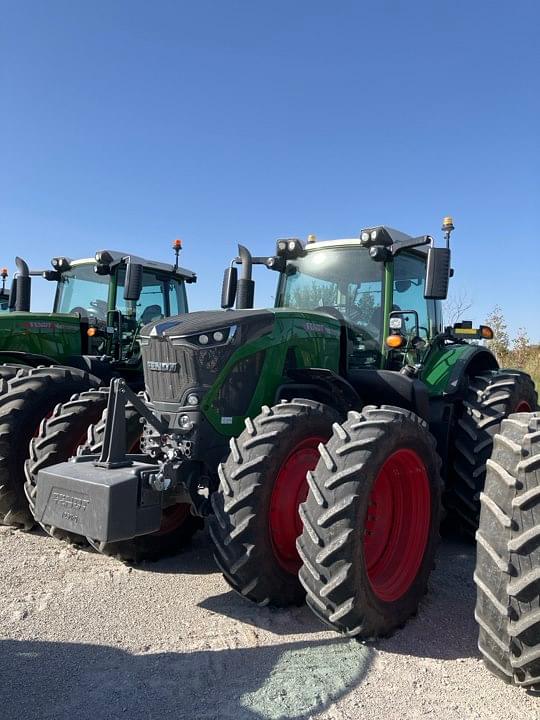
[491, 397]
[508, 555]
[29, 397]
[178, 524]
[371, 522]
[262, 483]
[58, 439]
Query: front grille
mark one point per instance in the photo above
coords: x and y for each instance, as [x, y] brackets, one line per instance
[193, 368]
[164, 385]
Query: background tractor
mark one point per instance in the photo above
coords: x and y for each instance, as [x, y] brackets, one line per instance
[335, 418]
[90, 337]
[508, 554]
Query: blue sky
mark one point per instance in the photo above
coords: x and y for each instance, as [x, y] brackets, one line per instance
[127, 124]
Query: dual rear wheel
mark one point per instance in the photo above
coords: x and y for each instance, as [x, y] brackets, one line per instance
[345, 514]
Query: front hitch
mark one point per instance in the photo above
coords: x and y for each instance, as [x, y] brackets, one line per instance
[105, 504]
[108, 498]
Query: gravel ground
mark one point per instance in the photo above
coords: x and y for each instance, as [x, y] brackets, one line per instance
[84, 637]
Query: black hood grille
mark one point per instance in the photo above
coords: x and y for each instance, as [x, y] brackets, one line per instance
[184, 368]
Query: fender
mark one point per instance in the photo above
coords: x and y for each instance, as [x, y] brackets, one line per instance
[33, 360]
[448, 367]
[19, 357]
[321, 385]
[388, 387]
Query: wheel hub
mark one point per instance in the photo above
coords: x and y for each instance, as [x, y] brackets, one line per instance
[397, 525]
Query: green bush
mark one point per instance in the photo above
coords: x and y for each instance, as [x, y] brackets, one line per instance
[516, 352]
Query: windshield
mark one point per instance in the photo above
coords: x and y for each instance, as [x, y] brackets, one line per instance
[337, 278]
[84, 292]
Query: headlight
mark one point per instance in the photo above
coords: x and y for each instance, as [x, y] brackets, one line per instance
[185, 422]
[222, 336]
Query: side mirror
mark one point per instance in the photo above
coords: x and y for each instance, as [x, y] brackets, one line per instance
[437, 274]
[12, 294]
[134, 281]
[228, 290]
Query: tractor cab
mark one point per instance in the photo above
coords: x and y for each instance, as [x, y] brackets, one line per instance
[100, 304]
[115, 295]
[372, 298]
[384, 287]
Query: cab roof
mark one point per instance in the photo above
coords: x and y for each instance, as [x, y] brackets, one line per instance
[122, 257]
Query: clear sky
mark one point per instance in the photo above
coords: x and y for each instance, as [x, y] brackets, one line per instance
[125, 124]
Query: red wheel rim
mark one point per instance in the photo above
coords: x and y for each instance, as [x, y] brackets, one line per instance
[172, 517]
[290, 490]
[397, 525]
[523, 406]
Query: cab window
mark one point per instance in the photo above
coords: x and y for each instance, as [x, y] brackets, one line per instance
[409, 280]
[177, 297]
[151, 304]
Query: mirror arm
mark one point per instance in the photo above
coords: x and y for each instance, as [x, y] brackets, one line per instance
[397, 247]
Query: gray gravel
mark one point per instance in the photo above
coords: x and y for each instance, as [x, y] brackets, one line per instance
[84, 637]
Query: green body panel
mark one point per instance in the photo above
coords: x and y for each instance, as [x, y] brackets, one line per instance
[440, 365]
[315, 341]
[55, 335]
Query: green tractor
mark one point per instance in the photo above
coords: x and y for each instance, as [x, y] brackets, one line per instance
[508, 554]
[318, 437]
[89, 338]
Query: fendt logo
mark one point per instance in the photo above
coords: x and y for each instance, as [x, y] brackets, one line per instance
[162, 366]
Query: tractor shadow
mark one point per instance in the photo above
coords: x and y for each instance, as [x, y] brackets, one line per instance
[444, 627]
[279, 621]
[194, 559]
[63, 681]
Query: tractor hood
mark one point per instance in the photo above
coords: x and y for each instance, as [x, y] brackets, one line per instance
[187, 353]
[254, 321]
[184, 326]
[52, 335]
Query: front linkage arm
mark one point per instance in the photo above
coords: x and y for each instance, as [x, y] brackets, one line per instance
[114, 451]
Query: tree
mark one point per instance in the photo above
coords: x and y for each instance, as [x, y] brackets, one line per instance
[500, 345]
[456, 307]
[521, 348]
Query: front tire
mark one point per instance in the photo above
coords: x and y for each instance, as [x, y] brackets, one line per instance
[262, 483]
[29, 397]
[58, 439]
[371, 522]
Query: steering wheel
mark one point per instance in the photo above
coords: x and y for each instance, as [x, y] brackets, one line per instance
[99, 308]
[79, 310]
